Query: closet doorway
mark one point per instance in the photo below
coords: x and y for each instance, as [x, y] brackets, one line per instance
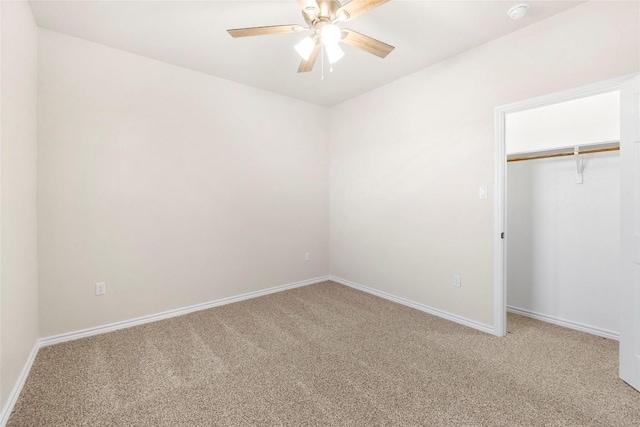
[563, 213]
[567, 210]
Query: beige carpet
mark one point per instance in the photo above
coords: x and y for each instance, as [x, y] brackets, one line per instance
[327, 355]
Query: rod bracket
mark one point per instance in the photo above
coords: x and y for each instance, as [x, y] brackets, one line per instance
[579, 164]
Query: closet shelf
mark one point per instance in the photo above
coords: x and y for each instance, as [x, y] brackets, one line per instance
[615, 146]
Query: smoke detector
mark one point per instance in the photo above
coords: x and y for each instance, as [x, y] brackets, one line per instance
[518, 11]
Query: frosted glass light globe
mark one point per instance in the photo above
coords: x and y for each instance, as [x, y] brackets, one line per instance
[330, 34]
[334, 53]
[305, 47]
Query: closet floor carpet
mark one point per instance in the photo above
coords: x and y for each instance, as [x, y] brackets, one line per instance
[327, 354]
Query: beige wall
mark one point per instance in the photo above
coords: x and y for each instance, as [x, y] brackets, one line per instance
[178, 188]
[172, 186]
[18, 224]
[407, 159]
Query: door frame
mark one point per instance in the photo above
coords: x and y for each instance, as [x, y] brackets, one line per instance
[500, 183]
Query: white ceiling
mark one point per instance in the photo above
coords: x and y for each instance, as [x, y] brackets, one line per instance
[192, 34]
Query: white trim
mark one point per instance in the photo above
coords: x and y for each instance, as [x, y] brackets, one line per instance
[499, 225]
[565, 323]
[56, 339]
[567, 95]
[433, 311]
[500, 217]
[17, 388]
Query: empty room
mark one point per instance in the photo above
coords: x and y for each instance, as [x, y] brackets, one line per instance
[319, 212]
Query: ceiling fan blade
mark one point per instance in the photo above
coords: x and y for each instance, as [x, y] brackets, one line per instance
[263, 31]
[366, 43]
[306, 66]
[357, 7]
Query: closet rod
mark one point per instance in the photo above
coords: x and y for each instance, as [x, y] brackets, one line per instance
[564, 153]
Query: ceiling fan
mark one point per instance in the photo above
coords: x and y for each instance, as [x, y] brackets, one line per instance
[321, 17]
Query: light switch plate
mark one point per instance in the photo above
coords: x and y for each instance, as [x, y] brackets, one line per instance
[483, 193]
[457, 282]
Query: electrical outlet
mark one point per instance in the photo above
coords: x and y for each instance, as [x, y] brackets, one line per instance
[101, 288]
[307, 256]
[457, 282]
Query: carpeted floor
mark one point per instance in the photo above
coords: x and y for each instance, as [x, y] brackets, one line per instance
[327, 355]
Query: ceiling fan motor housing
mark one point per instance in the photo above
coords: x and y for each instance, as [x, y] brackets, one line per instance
[326, 12]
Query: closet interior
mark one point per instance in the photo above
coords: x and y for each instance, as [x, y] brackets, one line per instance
[563, 213]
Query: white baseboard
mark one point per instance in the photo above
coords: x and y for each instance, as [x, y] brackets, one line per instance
[434, 311]
[565, 323]
[56, 339]
[17, 388]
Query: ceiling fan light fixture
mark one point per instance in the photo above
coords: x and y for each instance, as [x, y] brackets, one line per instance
[330, 34]
[305, 47]
[321, 17]
[334, 53]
